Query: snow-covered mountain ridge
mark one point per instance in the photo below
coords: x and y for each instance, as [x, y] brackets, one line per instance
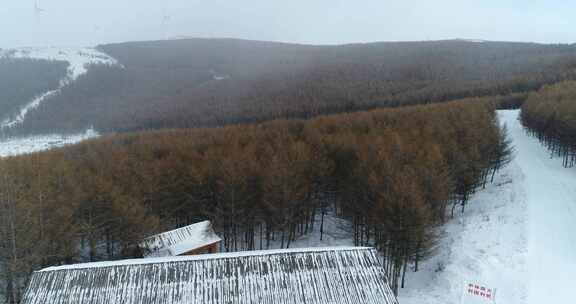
[77, 57]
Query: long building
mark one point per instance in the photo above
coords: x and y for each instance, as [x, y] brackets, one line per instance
[313, 276]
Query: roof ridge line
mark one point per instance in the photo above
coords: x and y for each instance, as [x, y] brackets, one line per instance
[203, 257]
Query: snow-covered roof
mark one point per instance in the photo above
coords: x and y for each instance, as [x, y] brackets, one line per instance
[180, 241]
[313, 276]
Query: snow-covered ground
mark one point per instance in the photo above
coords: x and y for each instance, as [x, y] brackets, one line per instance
[518, 235]
[31, 144]
[337, 233]
[550, 192]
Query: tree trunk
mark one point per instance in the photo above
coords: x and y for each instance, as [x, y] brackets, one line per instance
[322, 224]
[404, 270]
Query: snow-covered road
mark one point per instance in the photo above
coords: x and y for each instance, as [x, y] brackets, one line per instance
[551, 231]
[519, 235]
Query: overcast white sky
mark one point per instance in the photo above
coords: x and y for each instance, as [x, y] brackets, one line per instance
[90, 22]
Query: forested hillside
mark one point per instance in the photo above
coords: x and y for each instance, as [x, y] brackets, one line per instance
[214, 82]
[395, 174]
[23, 79]
[550, 114]
[265, 139]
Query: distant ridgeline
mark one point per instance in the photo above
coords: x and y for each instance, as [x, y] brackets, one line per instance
[23, 79]
[214, 82]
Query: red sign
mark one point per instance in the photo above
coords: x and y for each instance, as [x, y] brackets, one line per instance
[478, 293]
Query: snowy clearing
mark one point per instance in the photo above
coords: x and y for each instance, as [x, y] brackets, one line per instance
[25, 145]
[337, 233]
[516, 236]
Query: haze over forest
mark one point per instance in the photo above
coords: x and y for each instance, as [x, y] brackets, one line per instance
[88, 23]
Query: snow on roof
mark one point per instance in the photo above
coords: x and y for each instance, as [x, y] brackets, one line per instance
[223, 255]
[180, 241]
[320, 275]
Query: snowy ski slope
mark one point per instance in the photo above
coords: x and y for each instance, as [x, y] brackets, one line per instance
[550, 192]
[78, 59]
[519, 235]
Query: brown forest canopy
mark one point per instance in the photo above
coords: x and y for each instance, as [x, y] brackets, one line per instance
[551, 116]
[394, 173]
[214, 82]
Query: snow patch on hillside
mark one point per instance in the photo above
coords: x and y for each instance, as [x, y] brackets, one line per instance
[26, 145]
[337, 232]
[472, 40]
[78, 60]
